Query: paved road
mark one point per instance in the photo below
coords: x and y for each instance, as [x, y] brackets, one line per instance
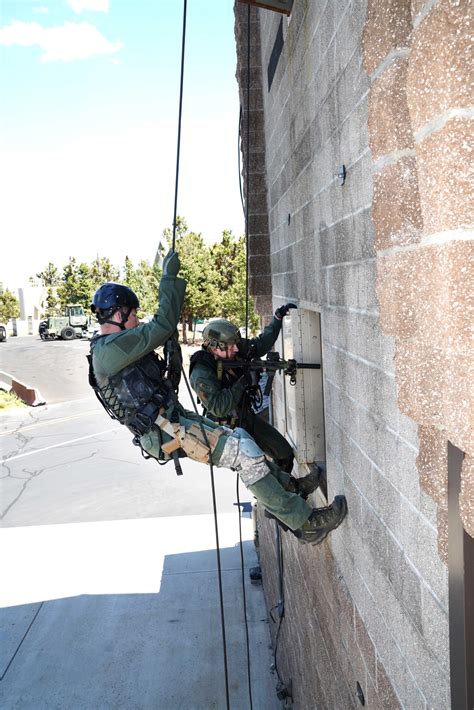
[58, 369]
[108, 563]
[107, 478]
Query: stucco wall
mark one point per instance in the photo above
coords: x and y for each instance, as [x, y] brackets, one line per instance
[364, 85]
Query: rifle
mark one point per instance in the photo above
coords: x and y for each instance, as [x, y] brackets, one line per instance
[272, 364]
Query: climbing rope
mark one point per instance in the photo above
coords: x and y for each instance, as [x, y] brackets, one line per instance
[246, 211]
[247, 180]
[213, 489]
[180, 114]
[280, 606]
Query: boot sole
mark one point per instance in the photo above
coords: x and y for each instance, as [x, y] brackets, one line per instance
[324, 534]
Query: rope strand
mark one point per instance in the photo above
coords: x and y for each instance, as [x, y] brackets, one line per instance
[247, 181]
[180, 113]
[244, 594]
[214, 503]
[218, 550]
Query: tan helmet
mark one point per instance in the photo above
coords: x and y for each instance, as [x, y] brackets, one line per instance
[220, 333]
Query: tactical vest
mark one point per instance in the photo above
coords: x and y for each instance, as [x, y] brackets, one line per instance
[135, 395]
[226, 377]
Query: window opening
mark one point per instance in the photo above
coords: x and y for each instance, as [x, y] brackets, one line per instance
[275, 55]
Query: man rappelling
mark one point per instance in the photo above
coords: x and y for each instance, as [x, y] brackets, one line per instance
[130, 380]
[232, 398]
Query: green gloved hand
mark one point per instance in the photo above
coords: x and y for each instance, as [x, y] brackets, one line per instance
[171, 264]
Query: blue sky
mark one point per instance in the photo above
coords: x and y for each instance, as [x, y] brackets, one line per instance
[88, 128]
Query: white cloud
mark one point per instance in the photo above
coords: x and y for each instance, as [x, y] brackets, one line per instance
[94, 5]
[41, 10]
[66, 43]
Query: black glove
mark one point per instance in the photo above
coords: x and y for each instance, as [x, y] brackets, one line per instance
[283, 310]
[171, 264]
[249, 378]
[247, 349]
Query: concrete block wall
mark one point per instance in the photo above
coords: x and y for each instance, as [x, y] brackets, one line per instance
[384, 259]
[253, 172]
[421, 150]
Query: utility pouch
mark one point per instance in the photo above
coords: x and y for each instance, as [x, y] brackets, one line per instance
[169, 446]
[195, 445]
[195, 449]
[143, 420]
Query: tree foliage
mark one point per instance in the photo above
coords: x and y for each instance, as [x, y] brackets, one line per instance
[144, 280]
[229, 264]
[202, 293]
[215, 275]
[50, 276]
[52, 303]
[9, 306]
[76, 284]
[102, 270]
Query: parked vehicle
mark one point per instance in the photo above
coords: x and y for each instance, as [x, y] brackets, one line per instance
[73, 324]
[3, 334]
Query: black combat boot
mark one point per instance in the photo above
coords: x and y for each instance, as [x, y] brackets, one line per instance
[307, 484]
[322, 521]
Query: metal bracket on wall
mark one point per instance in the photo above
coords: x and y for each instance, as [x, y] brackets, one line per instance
[275, 5]
[341, 174]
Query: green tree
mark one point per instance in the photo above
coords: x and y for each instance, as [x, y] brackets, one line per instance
[52, 302]
[9, 306]
[201, 300]
[50, 276]
[143, 280]
[103, 270]
[76, 284]
[229, 266]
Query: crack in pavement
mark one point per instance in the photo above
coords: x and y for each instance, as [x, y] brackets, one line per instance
[21, 642]
[22, 439]
[32, 475]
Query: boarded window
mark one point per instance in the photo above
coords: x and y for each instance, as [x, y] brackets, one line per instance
[301, 407]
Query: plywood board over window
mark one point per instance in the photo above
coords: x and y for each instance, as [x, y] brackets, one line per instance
[303, 403]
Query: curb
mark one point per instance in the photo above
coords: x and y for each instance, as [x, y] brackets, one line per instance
[29, 395]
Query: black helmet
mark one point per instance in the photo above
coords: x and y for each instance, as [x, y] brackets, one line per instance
[110, 297]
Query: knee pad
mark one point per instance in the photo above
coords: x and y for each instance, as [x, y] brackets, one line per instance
[241, 453]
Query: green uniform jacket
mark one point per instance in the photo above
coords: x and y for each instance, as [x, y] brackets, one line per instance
[111, 353]
[221, 398]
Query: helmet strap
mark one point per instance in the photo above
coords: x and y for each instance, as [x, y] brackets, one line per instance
[114, 322]
[124, 318]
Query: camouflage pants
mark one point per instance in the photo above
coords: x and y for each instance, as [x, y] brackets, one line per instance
[234, 449]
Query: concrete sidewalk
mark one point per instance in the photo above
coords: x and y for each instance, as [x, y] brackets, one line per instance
[125, 615]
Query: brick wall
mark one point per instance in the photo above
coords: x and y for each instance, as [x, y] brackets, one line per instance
[378, 86]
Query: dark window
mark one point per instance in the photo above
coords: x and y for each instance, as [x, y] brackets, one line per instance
[275, 55]
[461, 591]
